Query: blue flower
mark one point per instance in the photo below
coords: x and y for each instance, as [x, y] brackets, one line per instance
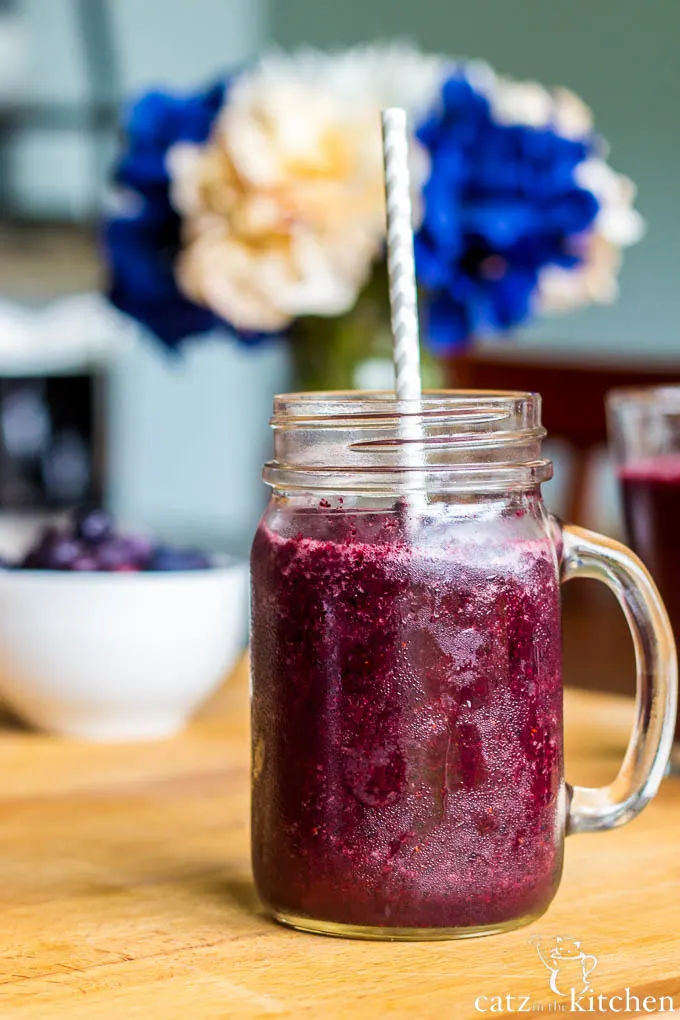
[500, 204]
[143, 241]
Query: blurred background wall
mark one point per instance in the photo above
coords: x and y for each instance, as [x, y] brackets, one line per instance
[621, 57]
[186, 437]
[133, 46]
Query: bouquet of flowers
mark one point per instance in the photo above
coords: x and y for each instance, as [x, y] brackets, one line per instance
[258, 203]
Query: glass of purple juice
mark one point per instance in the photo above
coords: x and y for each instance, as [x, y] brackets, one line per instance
[644, 426]
[408, 774]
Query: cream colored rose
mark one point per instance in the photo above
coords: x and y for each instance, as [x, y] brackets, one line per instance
[283, 209]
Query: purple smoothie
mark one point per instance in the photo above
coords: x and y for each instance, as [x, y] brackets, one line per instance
[651, 501]
[407, 724]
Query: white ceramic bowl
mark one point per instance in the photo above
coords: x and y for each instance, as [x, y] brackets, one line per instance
[117, 656]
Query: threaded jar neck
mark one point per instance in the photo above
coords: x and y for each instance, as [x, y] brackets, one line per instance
[368, 441]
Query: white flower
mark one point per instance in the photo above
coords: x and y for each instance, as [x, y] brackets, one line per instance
[283, 207]
[521, 102]
[617, 225]
[531, 104]
[617, 221]
[571, 116]
[391, 75]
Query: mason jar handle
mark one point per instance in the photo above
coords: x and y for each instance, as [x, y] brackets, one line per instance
[585, 554]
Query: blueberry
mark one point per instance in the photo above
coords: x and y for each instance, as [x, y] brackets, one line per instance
[85, 564]
[118, 551]
[39, 555]
[63, 553]
[54, 550]
[139, 549]
[91, 544]
[92, 525]
[166, 558]
[196, 560]
[112, 553]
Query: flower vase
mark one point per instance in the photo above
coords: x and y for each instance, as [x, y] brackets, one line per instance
[354, 350]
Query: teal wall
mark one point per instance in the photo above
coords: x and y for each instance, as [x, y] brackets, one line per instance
[622, 57]
[179, 43]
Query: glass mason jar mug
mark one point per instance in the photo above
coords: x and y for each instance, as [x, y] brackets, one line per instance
[408, 777]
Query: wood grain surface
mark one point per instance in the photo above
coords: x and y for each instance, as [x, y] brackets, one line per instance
[126, 892]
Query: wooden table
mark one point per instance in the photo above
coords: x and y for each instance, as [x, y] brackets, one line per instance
[126, 892]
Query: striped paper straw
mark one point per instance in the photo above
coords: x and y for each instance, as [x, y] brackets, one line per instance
[400, 258]
[403, 294]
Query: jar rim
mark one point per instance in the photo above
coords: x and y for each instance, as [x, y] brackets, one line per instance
[337, 405]
[663, 397]
[370, 441]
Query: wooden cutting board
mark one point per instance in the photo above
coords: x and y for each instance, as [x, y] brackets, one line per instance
[126, 893]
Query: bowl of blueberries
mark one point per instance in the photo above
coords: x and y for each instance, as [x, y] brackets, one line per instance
[109, 636]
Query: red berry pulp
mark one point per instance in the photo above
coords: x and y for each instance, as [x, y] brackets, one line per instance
[407, 725]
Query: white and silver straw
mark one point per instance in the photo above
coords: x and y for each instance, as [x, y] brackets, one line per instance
[400, 257]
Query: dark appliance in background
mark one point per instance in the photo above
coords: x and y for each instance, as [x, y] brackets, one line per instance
[51, 423]
[51, 444]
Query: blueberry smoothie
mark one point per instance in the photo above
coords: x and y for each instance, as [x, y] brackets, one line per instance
[407, 722]
[651, 501]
